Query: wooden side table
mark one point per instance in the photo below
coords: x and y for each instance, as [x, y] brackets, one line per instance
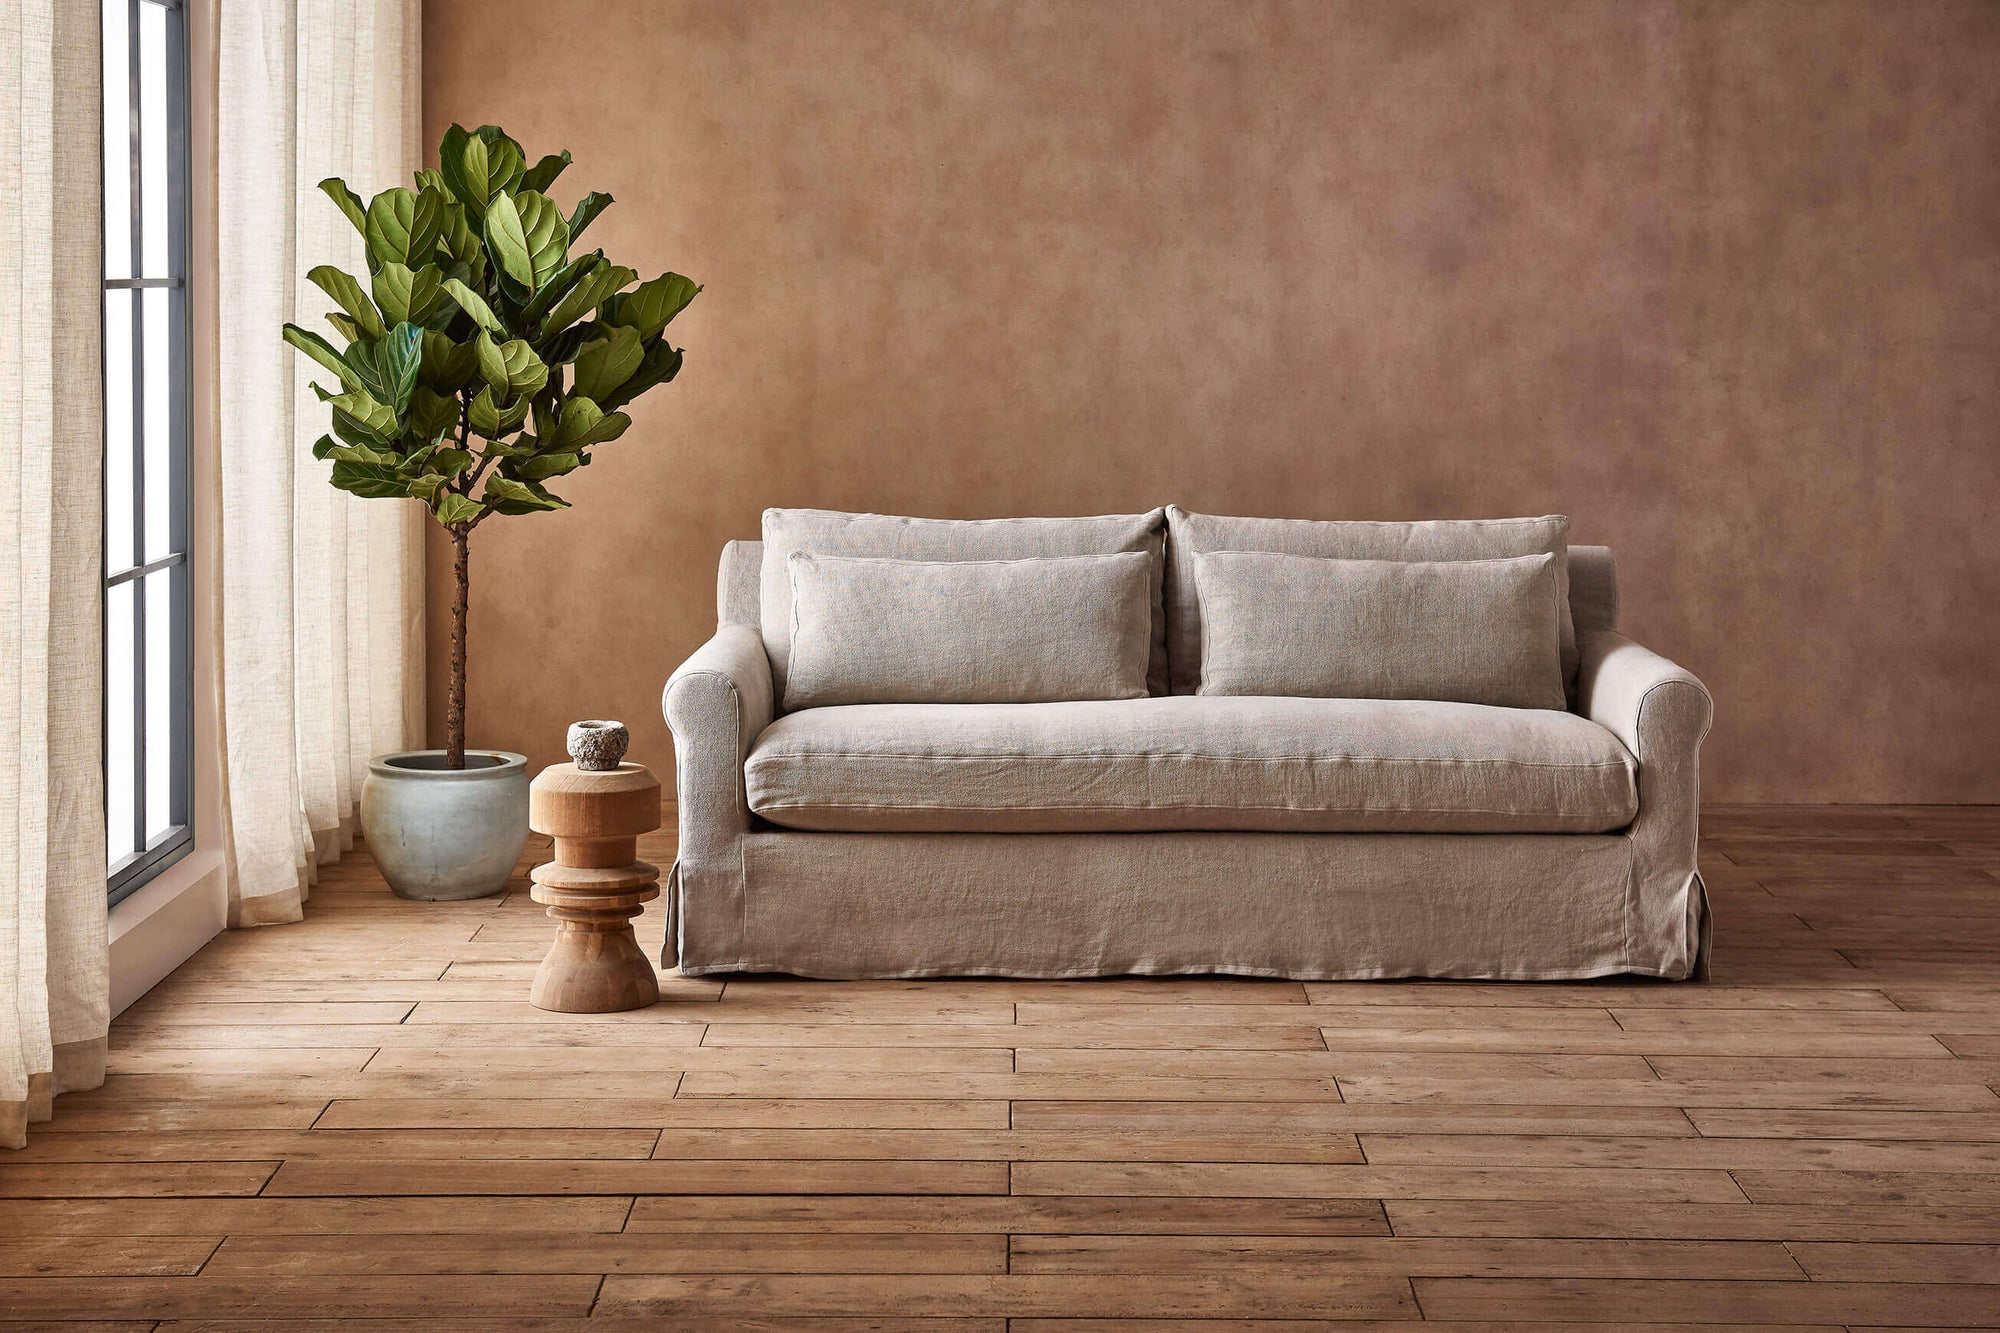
[595, 886]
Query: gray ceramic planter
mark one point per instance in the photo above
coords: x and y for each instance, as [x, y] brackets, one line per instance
[439, 835]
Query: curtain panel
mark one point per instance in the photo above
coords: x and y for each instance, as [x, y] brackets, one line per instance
[320, 634]
[54, 995]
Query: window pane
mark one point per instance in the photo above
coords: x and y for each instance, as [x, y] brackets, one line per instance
[159, 400]
[153, 138]
[117, 135]
[159, 702]
[147, 690]
[118, 426]
[120, 688]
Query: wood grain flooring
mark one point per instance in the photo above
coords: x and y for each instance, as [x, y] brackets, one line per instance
[358, 1122]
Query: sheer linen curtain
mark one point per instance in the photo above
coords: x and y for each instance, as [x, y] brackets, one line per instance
[54, 993]
[320, 640]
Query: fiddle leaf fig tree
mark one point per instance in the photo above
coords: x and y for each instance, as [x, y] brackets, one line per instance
[486, 353]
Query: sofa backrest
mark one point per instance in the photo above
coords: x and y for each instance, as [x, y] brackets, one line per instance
[1593, 586]
[737, 596]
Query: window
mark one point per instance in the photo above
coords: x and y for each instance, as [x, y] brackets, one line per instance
[148, 664]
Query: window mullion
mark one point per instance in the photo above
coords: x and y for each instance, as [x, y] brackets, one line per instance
[180, 786]
[135, 150]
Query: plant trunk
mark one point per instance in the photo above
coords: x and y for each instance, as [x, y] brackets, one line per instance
[454, 718]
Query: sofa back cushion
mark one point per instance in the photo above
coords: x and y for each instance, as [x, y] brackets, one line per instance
[876, 631]
[831, 532]
[1454, 631]
[1189, 534]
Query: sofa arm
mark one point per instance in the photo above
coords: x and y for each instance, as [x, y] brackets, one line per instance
[716, 704]
[1661, 712]
[1641, 697]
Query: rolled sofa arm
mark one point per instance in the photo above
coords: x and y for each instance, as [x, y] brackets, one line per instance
[1661, 712]
[716, 704]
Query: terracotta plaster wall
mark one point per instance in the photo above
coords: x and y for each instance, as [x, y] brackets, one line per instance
[1721, 281]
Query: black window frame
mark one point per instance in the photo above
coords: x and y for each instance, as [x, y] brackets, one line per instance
[131, 872]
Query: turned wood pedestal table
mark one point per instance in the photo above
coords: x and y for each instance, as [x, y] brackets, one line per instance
[595, 886]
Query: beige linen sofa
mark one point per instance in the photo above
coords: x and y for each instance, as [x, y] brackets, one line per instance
[1171, 831]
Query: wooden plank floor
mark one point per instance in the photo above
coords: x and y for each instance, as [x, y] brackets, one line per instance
[359, 1122]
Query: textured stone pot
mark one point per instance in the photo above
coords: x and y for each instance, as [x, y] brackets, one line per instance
[439, 835]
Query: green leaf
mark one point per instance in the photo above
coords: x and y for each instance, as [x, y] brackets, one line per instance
[404, 227]
[566, 280]
[426, 487]
[406, 296]
[511, 367]
[387, 368]
[507, 240]
[447, 366]
[543, 174]
[433, 415]
[461, 237]
[347, 294]
[543, 466]
[360, 420]
[473, 304]
[661, 364]
[471, 272]
[323, 448]
[344, 326]
[583, 424]
[492, 420]
[451, 170]
[651, 306]
[456, 508]
[587, 209]
[607, 362]
[450, 462]
[362, 453]
[370, 480]
[521, 446]
[509, 496]
[508, 161]
[599, 286]
[320, 350]
[546, 234]
[476, 167]
[561, 349]
[350, 203]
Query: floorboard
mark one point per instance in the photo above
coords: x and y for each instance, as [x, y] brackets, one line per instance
[358, 1123]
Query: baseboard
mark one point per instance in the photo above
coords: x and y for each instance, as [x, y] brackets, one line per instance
[164, 924]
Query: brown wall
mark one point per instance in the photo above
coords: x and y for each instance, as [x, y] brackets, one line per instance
[1722, 282]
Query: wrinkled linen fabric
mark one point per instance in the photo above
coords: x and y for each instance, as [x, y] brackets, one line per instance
[1661, 713]
[881, 631]
[1445, 539]
[318, 616]
[1516, 906]
[1310, 906]
[1186, 762]
[715, 704]
[1459, 631]
[54, 972]
[831, 532]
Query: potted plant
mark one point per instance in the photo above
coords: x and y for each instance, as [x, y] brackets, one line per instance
[483, 360]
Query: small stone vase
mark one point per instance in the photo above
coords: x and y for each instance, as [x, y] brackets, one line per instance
[598, 746]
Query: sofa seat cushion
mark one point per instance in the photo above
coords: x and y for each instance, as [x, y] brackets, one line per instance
[1191, 762]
